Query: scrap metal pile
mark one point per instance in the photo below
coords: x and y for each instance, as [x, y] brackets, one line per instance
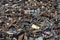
[29, 19]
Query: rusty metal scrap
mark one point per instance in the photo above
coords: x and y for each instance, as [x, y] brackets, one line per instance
[29, 19]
